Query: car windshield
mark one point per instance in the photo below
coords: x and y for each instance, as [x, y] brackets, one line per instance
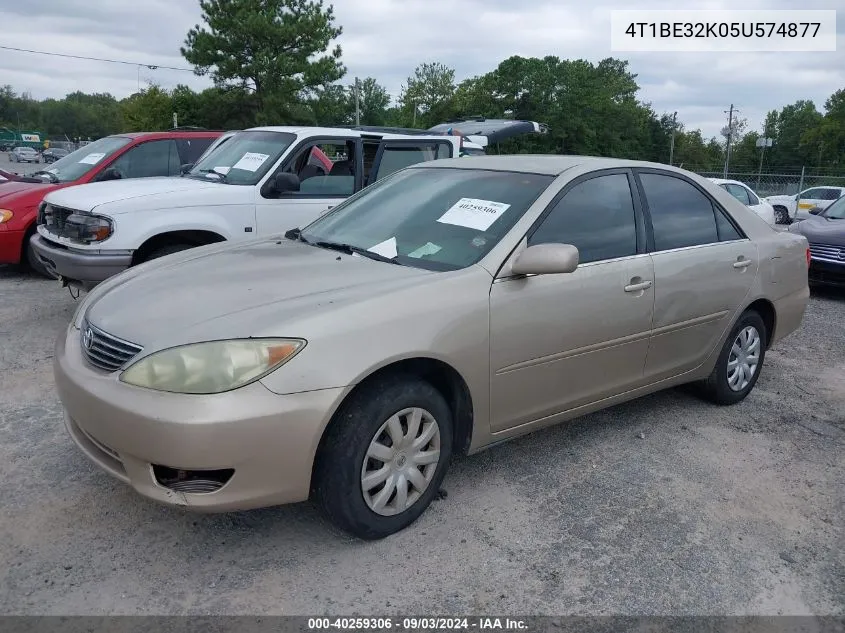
[836, 211]
[78, 163]
[244, 159]
[433, 218]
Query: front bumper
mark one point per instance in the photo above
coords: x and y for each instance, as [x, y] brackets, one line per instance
[827, 273]
[78, 267]
[269, 440]
[11, 246]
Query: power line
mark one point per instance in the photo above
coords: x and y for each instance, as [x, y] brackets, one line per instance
[96, 59]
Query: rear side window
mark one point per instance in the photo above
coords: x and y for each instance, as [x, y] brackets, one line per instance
[150, 159]
[681, 215]
[831, 194]
[396, 157]
[739, 193]
[596, 216]
[190, 149]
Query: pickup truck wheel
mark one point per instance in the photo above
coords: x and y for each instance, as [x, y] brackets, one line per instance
[167, 250]
[781, 216]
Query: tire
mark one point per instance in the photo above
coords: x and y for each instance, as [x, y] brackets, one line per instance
[33, 262]
[781, 216]
[717, 387]
[342, 460]
[167, 250]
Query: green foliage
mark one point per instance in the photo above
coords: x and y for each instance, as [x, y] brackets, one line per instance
[277, 49]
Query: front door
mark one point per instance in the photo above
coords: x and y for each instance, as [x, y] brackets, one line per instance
[561, 341]
[703, 270]
[329, 171]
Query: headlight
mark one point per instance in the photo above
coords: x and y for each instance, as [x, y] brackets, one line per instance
[88, 228]
[5, 215]
[213, 367]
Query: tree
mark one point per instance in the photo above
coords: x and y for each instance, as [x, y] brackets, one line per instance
[150, 110]
[274, 48]
[427, 95]
[373, 101]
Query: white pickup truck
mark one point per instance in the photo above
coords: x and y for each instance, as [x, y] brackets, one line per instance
[788, 208]
[254, 183]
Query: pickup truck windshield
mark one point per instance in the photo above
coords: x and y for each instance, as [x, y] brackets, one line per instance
[76, 164]
[244, 159]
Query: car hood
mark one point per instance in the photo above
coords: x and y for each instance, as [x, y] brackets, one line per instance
[14, 188]
[150, 194]
[820, 230]
[241, 290]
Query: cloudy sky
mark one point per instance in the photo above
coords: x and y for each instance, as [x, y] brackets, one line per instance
[388, 38]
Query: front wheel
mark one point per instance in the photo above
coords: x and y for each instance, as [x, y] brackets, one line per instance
[781, 215]
[740, 361]
[384, 457]
[167, 250]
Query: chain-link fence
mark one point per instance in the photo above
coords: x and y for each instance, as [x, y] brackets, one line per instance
[776, 184]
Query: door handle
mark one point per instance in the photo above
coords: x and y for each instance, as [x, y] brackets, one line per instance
[643, 285]
[742, 263]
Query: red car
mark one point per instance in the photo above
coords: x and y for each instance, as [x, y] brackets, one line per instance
[135, 155]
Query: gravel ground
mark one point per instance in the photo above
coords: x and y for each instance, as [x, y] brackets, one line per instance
[665, 505]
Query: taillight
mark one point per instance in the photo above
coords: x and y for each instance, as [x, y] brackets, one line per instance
[808, 257]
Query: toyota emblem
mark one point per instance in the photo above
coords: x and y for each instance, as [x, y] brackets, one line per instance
[87, 338]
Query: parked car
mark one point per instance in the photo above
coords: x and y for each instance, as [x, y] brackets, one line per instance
[53, 154]
[136, 155]
[448, 307]
[748, 197]
[260, 181]
[787, 208]
[24, 155]
[825, 231]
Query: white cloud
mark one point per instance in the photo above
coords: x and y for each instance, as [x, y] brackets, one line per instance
[388, 38]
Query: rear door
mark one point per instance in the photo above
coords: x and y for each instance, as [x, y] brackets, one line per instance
[703, 269]
[397, 154]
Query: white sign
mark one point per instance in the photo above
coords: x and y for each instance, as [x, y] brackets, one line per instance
[387, 248]
[251, 161]
[426, 249]
[473, 213]
[722, 30]
[764, 142]
[93, 159]
[31, 138]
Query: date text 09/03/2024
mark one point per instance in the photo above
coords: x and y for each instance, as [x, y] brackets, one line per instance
[416, 624]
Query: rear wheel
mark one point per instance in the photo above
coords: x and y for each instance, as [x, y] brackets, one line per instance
[384, 457]
[740, 361]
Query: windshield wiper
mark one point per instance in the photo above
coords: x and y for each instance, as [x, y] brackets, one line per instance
[354, 250]
[53, 177]
[221, 175]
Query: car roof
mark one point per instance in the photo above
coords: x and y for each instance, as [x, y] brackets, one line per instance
[335, 131]
[549, 164]
[171, 134]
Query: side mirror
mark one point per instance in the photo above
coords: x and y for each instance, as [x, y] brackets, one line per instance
[285, 182]
[815, 210]
[184, 169]
[546, 259]
[110, 174]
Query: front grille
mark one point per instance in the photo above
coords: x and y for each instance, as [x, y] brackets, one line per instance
[105, 351]
[828, 252]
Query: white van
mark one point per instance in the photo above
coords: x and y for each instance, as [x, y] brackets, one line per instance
[256, 182]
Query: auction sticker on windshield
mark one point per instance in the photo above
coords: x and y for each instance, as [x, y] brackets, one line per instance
[93, 159]
[473, 213]
[251, 161]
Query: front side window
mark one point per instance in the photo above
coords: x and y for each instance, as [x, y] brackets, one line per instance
[433, 218]
[325, 168]
[681, 215]
[190, 149]
[148, 160]
[831, 194]
[244, 159]
[836, 211]
[596, 216]
[77, 164]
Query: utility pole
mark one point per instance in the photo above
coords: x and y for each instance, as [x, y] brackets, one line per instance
[730, 114]
[672, 144]
[357, 103]
[415, 113]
